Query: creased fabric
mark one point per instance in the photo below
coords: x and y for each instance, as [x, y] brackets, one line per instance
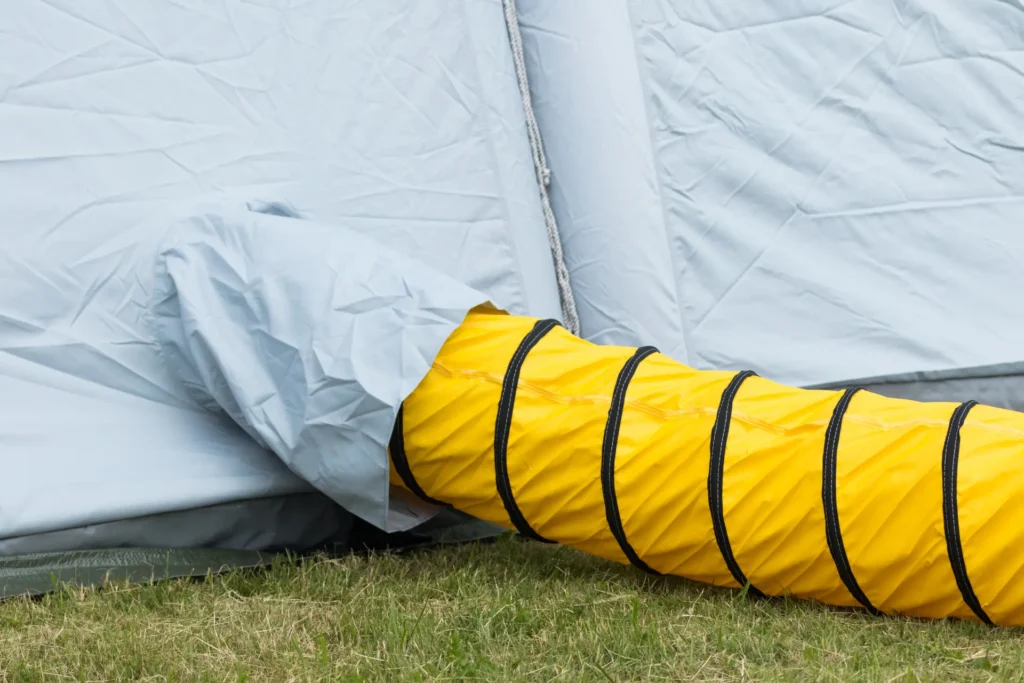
[309, 336]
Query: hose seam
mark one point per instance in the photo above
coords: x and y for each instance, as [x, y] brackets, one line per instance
[833, 530]
[503, 427]
[950, 510]
[716, 468]
[608, 452]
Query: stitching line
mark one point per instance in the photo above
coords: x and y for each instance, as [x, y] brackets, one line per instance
[833, 532]
[503, 427]
[951, 520]
[716, 475]
[609, 451]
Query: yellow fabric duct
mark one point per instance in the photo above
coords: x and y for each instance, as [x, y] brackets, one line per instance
[842, 497]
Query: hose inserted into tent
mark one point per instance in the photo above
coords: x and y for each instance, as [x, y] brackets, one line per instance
[844, 497]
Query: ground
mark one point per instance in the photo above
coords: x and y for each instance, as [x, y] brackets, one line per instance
[510, 610]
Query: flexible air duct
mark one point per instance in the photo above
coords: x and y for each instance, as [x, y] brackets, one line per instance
[727, 478]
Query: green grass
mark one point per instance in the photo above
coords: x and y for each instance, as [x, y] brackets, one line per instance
[504, 611]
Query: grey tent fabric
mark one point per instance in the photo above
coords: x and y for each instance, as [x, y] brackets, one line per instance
[604, 187]
[300, 522]
[311, 356]
[399, 121]
[402, 121]
[836, 187]
[867, 181]
[1000, 385]
[39, 573]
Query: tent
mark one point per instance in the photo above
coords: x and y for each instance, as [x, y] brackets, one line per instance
[236, 234]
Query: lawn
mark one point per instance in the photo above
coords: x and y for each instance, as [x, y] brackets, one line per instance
[509, 610]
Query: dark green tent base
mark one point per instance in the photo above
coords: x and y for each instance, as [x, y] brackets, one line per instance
[36, 574]
[39, 573]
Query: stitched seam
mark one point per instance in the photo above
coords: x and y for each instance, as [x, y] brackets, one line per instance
[951, 521]
[504, 426]
[716, 478]
[833, 530]
[636, 404]
[609, 452]
[504, 423]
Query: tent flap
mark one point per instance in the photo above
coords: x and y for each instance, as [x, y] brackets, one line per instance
[309, 336]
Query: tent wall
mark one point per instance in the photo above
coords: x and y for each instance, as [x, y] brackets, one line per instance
[605, 192]
[839, 185]
[846, 190]
[401, 121]
[814, 190]
[311, 356]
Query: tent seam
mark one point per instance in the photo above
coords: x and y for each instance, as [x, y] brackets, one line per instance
[562, 278]
[641, 72]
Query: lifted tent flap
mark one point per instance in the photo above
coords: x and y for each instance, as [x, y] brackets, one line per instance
[309, 336]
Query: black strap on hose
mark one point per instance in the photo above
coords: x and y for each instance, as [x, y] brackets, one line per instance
[397, 449]
[608, 448]
[950, 512]
[833, 532]
[503, 425]
[719, 437]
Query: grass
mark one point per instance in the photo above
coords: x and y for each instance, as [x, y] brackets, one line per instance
[505, 611]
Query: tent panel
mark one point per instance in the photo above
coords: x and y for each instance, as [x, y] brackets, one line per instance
[400, 121]
[604, 187]
[843, 182]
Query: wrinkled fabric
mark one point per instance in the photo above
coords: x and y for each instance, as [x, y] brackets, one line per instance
[401, 121]
[311, 356]
[590, 105]
[836, 187]
[844, 181]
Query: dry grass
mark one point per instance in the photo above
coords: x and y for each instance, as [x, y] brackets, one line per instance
[506, 611]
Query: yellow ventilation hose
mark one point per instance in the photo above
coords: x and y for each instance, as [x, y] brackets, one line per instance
[842, 497]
